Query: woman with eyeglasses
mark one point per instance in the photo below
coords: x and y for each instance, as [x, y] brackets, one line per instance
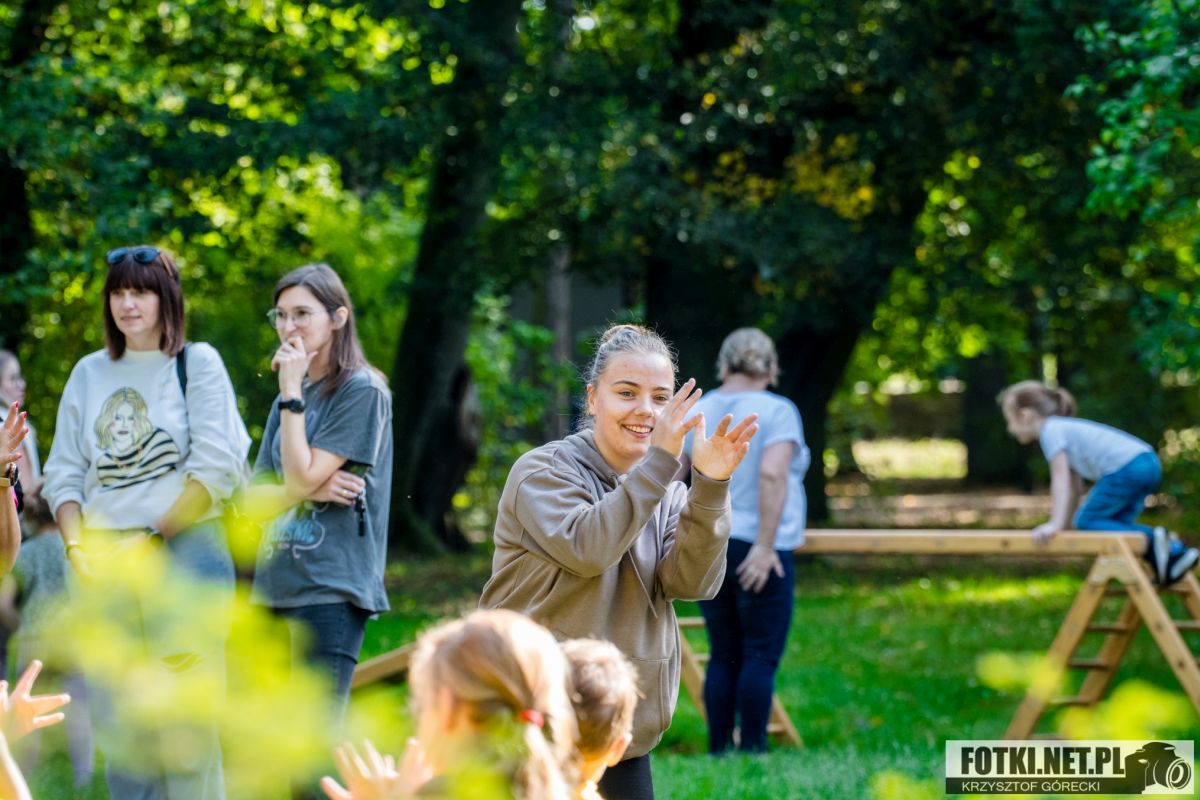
[148, 447]
[324, 472]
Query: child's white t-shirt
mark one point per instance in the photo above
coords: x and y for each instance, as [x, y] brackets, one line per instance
[1093, 449]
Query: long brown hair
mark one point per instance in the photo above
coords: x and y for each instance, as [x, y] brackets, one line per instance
[345, 350]
[160, 276]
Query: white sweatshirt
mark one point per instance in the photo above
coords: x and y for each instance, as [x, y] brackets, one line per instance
[126, 443]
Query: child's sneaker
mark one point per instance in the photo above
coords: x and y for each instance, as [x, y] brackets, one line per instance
[1159, 554]
[1181, 564]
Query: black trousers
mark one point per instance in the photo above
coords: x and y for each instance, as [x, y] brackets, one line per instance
[628, 780]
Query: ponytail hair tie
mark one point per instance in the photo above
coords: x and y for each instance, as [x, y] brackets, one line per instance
[533, 717]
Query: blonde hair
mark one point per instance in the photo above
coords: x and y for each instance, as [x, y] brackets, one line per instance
[605, 693]
[108, 414]
[748, 351]
[1039, 397]
[509, 674]
[620, 340]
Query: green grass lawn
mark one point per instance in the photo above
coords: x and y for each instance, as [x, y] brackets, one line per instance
[882, 667]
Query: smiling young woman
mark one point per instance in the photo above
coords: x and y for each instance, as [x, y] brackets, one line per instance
[595, 539]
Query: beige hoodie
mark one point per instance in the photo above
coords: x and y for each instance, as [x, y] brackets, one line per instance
[587, 552]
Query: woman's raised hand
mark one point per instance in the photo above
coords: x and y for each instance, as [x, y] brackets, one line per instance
[372, 776]
[718, 456]
[672, 424]
[12, 433]
[22, 711]
[291, 362]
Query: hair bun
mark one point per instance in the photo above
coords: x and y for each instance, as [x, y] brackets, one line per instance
[618, 330]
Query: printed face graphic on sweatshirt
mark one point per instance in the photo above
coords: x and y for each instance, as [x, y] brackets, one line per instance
[133, 451]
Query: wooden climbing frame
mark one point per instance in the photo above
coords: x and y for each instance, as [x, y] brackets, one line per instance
[1117, 571]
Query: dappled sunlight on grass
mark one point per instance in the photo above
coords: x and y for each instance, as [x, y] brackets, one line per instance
[904, 458]
[898, 786]
[941, 590]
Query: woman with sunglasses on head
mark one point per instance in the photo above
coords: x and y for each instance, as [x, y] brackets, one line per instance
[324, 471]
[148, 447]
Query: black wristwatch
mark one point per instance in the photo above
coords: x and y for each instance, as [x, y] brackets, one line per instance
[10, 474]
[295, 405]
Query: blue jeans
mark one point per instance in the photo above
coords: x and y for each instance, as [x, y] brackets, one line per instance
[747, 633]
[1117, 498]
[328, 636]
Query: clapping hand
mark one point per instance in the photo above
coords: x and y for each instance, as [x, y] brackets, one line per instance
[12, 433]
[718, 456]
[377, 777]
[671, 425]
[23, 711]
[291, 361]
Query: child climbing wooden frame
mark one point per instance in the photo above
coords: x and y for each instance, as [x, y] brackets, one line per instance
[1117, 560]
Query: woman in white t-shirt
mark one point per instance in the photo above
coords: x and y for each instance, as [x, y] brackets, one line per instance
[1123, 468]
[749, 619]
[148, 447]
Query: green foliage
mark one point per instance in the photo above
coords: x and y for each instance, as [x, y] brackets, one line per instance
[518, 387]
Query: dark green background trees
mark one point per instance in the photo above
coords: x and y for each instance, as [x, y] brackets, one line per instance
[984, 190]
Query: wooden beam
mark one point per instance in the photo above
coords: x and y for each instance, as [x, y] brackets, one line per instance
[381, 667]
[966, 542]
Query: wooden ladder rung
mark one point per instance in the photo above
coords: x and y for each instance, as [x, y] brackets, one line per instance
[1108, 627]
[1187, 624]
[691, 622]
[1069, 701]
[701, 658]
[1089, 663]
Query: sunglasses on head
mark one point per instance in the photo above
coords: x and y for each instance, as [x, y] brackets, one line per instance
[142, 254]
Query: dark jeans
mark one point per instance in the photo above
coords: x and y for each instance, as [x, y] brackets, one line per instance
[328, 636]
[1117, 498]
[747, 632]
[628, 780]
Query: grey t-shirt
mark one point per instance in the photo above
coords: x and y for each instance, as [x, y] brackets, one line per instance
[314, 553]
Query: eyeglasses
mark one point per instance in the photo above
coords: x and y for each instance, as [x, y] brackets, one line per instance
[300, 318]
[142, 254]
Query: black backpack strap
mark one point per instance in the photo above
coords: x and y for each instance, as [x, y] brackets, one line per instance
[181, 368]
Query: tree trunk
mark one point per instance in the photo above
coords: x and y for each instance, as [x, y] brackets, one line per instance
[427, 378]
[558, 308]
[993, 457]
[812, 363]
[16, 239]
[16, 223]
